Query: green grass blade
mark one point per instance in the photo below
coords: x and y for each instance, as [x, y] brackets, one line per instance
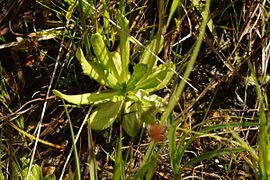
[245, 145]
[210, 154]
[119, 168]
[148, 153]
[147, 168]
[177, 93]
[76, 156]
[173, 149]
[172, 11]
[264, 141]
[91, 148]
[183, 144]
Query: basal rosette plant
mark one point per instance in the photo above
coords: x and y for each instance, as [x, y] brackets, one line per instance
[130, 97]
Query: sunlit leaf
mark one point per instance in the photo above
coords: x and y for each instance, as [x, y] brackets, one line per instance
[266, 79]
[1, 176]
[147, 105]
[151, 105]
[124, 45]
[152, 101]
[117, 61]
[157, 80]
[88, 69]
[97, 71]
[35, 172]
[103, 54]
[104, 115]
[143, 97]
[89, 98]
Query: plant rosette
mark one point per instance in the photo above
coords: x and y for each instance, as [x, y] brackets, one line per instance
[130, 97]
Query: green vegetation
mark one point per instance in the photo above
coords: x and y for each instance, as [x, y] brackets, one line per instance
[134, 89]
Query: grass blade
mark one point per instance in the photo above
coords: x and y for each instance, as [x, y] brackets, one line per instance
[211, 154]
[76, 156]
[264, 141]
[176, 94]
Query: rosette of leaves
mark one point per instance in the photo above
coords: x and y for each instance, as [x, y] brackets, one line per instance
[130, 97]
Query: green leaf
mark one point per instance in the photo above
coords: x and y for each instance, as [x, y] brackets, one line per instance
[153, 80]
[131, 119]
[97, 71]
[153, 100]
[148, 105]
[149, 116]
[119, 166]
[91, 70]
[151, 105]
[147, 167]
[266, 79]
[2, 175]
[142, 96]
[49, 177]
[104, 115]
[35, 172]
[172, 10]
[157, 80]
[117, 61]
[124, 45]
[106, 16]
[204, 14]
[103, 54]
[86, 10]
[89, 98]
[210, 154]
[101, 73]
[169, 74]
[146, 56]
[139, 71]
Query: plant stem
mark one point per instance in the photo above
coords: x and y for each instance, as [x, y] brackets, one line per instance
[92, 159]
[176, 94]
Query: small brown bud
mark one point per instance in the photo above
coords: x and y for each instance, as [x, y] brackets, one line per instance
[156, 132]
